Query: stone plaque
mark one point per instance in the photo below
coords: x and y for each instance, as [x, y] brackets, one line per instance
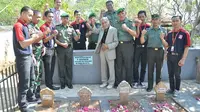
[124, 90]
[83, 60]
[47, 97]
[85, 96]
[160, 90]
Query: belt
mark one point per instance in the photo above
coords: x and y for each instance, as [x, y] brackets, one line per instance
[173, 53]
[125, 42]
[50, 48]
[78, 42]
[92, 43]
[140, 45]
[155, 48]
[37, 44]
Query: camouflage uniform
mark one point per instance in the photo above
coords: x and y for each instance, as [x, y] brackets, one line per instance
[37, 52]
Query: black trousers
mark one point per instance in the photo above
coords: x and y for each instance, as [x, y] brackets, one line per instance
[49, 65]
[174, 71]
[155, 58]
[92, 45]
[124, 60]
[79, 45]
[65, 64]
[25, 69]
[140, 58]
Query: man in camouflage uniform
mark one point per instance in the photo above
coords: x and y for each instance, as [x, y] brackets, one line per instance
[65, 50]
[93, 35]
[37, 52]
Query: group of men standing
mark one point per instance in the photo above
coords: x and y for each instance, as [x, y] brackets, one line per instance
[121, 43]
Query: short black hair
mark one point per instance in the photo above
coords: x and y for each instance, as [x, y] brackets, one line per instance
[36, 12]
[47, 12]
[76, 11]
[180, 17]
[142, 11]
[25, 9]
[109, 1]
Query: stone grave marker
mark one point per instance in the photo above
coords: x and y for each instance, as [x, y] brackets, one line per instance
[160, 90]
[47, 97]
[124, 90]
[85, 96]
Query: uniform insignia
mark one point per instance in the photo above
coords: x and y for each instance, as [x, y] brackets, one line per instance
[180, 36]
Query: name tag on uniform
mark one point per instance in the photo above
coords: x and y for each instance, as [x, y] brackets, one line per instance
[172, 48]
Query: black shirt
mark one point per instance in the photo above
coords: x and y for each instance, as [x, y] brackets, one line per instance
[104, 35]
[137, 40]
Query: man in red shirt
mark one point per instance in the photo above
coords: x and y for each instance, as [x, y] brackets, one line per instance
[22, 41]
[49, 57]
[81, 27]
[177, 44]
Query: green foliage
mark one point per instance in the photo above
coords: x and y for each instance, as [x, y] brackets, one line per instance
[188, 27]
[10, 14]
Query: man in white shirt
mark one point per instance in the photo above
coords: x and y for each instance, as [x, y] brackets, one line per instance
[57, 12]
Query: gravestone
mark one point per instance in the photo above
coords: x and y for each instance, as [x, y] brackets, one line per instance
[47, 97]
[198, 69]
[160, 90]
[124, 90]
[85, 96]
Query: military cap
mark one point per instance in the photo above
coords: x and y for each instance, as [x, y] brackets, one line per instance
[120, 10]
[92, 15]
[64, 15]
[155, 16]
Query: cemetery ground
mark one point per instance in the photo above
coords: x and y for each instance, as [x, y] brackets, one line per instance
[107, 100]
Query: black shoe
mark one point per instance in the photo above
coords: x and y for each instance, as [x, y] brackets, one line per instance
[54, 88]
[70, 86]
[32, 99]
[134, 85]
[170, 92]
[39, 101]
[148, 89]
[62, 87]
[27, 110]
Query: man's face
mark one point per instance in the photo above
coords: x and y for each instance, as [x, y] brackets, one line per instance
[122, 15]
[105, 24]
[92, 19]
[58, 3]
[65, 20]
[36, 18]
[142, 17]
[109, 6]
[156, 21]
[176, 22]
[49, 18]
[27, 16]
[77, 16]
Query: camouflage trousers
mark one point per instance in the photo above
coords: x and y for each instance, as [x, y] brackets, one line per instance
[38, 68]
